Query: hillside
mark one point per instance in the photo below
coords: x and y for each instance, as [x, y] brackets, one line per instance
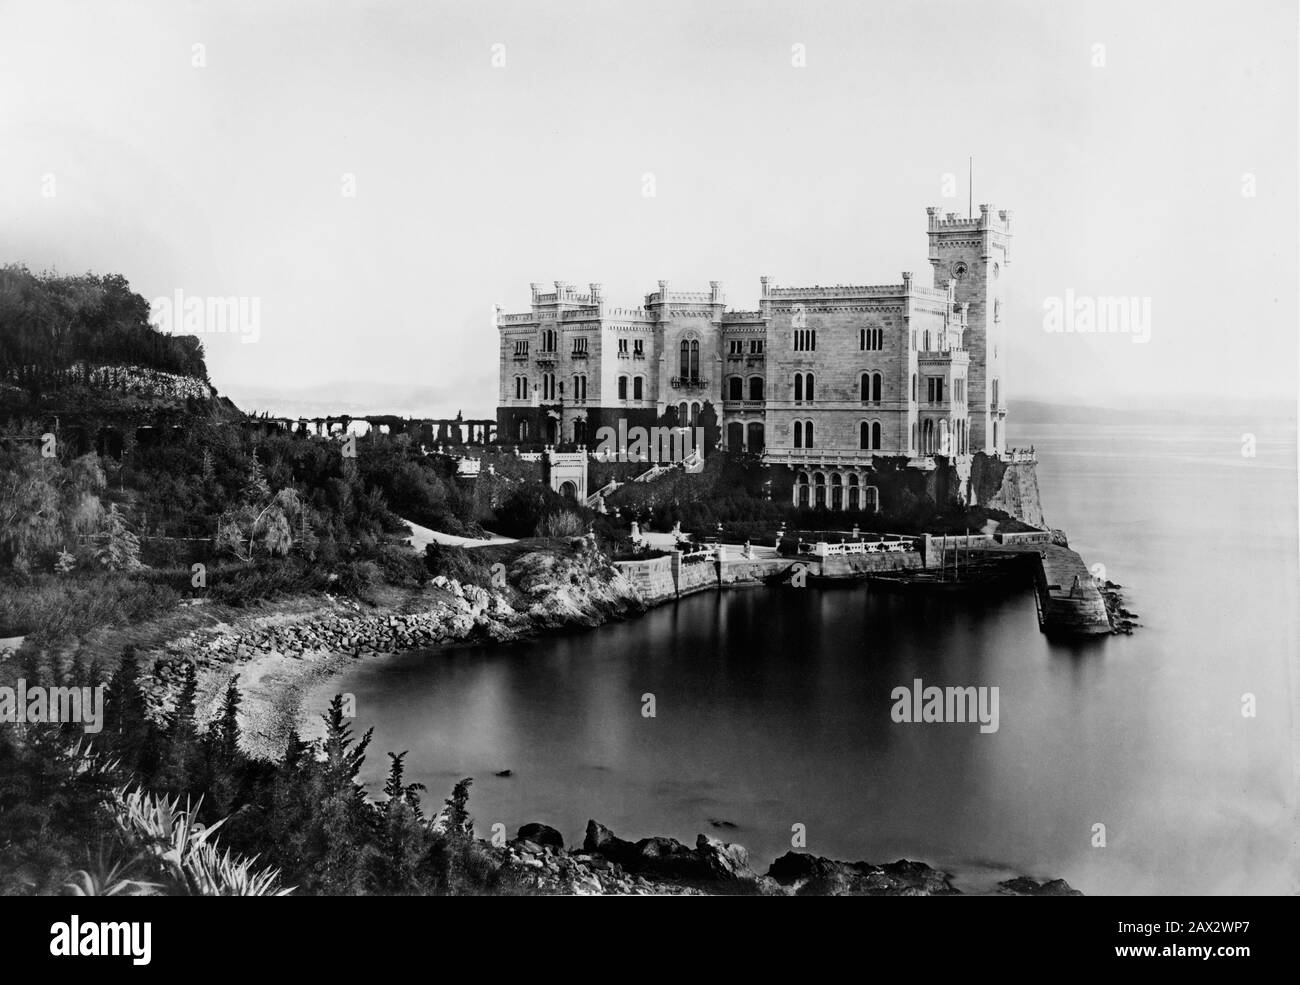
[80, 347]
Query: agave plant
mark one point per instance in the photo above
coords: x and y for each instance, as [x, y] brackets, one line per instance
[109, 877]
[180, 848]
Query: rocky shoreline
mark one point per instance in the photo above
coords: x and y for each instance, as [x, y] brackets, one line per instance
[1121, 619]
[536, 862]
[281, 658]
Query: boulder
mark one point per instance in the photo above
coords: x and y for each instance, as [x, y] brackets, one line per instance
[541, 834]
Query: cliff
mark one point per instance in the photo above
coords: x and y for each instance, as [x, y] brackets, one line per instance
[1011, 487]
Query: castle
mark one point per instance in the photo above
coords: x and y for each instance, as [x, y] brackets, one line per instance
[831, 381]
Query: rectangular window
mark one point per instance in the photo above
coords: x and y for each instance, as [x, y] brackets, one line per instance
[622, 347]
[580, 346]
[756, 347]
[805, 340]
[638, 347]
[736, 347]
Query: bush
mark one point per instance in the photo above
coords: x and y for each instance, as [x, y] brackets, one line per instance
[565, 523]
[356, 578]
[465, 566]
[266, 580]
[57, 607]
[401, 566]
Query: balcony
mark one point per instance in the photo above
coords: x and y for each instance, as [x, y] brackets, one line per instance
[576, 354]
[546, 360]
[688, 383]
[786, 455]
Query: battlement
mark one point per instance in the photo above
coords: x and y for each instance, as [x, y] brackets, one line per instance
[564, 293]
[664, 296]
[735, 316]
[518, 318]
[855, 291]
[989, 218]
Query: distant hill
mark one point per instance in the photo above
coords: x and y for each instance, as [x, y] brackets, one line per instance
[1180, 410]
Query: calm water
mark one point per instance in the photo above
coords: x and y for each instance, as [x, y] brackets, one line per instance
[773, 705]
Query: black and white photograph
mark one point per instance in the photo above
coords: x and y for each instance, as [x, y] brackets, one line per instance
[617, 449]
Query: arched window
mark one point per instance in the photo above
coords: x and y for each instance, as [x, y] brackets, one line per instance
[914, 387]
[798, 386]
[808, 387]
[913, 445]
[686, 359]
[695, 414]
[798, 434]
[638, 388]
[801, 490]
[864, 436]
[877, 384]
[854, 499]
[523, 431]
[875, 436]
[622, 388]
[683, 414]
[756, 388]
[819, 490]
[579, 432]
[735, 388]
[695, 359]
[808, 434]
[872, 495]
[866, 386]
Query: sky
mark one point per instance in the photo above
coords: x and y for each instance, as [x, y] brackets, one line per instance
[378, 175]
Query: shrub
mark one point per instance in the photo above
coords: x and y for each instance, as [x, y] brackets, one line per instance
[465, 566]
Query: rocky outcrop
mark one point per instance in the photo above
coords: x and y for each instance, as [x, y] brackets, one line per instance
[609, 865]
[1011, 487]
[1024, 886]
[809, 875]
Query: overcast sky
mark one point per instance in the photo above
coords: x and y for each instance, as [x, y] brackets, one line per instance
[1125, 168]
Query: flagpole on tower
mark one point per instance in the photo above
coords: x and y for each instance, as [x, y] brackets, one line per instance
[970, 187]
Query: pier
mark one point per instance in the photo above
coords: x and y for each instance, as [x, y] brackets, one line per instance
[1067, 598]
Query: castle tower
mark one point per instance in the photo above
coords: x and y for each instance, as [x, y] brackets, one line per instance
[974, 253]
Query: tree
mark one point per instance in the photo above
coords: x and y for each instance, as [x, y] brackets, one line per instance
[117, 548]
[402, 836]
[179, 768]
[343, 821]
[225, 731]
[127, 729]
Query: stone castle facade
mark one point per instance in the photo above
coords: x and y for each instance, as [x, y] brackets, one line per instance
[828, 380]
